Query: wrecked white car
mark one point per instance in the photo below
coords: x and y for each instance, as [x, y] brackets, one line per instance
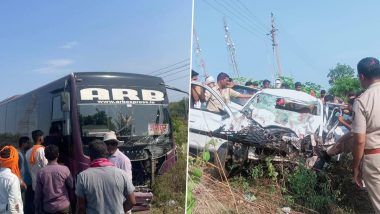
[280, 123]
[237, 104]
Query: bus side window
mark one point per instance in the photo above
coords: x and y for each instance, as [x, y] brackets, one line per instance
[57, 113]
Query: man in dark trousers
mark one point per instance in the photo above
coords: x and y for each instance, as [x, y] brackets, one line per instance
[366, 130]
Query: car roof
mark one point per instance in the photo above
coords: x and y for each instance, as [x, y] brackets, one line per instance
[293, 94]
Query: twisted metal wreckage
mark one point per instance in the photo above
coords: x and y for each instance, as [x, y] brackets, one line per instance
[283, 124]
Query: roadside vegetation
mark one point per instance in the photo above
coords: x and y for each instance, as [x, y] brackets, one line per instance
[269, 187]
[170, 189]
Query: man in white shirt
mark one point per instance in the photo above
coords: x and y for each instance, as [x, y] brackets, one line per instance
[35, 156]
[10, 192]
[118, 158]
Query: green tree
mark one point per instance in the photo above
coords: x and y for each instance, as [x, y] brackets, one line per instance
[344, 85]
[308, 86]
[340, 71]
[287, 81]
[180, 108]
[241, 80]
[342, 80]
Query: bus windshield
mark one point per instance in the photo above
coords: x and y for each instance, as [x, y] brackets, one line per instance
[126, 120]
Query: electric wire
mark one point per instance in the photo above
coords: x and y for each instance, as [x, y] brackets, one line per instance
[246, 17]
[234, 20]
[180, 71]
[166, 67]
[181, 77]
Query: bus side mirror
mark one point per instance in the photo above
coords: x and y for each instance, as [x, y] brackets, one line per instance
[65, 101]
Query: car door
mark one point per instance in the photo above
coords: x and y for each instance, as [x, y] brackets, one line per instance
[203, 121]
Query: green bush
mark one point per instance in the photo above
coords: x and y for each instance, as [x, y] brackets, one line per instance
[310, 190]
[172, 185]
[257, 172]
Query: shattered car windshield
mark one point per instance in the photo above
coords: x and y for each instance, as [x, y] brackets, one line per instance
[298, 115]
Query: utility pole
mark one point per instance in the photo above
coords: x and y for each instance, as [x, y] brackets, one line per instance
[275, 47]
[198, 52]
[231, 48]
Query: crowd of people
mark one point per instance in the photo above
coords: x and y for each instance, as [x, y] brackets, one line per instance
[359, 120]
[33, 180]
[223, 86]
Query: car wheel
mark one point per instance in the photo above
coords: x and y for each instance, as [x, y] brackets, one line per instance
[220, 161]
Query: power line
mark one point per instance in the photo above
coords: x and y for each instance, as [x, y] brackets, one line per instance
[186, 69]
[246, 18]
[234, 20]
[301, 53]
[152, 72]
[173, 69]
[299, 50]
[264, 26]
[181, 77]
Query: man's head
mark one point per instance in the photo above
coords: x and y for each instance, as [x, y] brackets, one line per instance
[251, 84]
[298, 86]
[351, 103]
[277, 83]
[38, 137]
[230, 83]
[194, 75]
[111, 141]
[210, 81]
[285, 86]
[51, 152]
[24, 143]
[312, 92]
[223, 80]
[323, 93]
[97, 149]
[368, 71]
[5, 152]
[351, 95]
[266, 84]
[329, 98]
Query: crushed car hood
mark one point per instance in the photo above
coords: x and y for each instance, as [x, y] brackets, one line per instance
[301, 124]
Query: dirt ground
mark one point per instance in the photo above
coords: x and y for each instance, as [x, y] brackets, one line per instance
[215, 196]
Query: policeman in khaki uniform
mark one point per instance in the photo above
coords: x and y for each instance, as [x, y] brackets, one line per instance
[366, 130]
[223, 80]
